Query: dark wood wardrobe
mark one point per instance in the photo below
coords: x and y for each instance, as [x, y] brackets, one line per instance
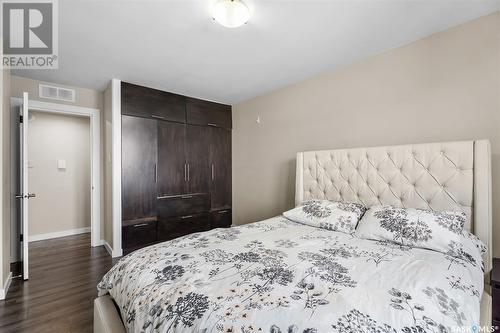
[176, 165]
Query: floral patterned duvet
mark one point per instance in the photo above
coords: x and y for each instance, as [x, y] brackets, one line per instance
[280, 276]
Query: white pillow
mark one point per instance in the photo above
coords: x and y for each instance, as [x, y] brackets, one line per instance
[438, 231]
[336, 216]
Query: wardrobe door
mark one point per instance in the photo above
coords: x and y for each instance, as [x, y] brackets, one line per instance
[138, 168]
[220, 167]
[204, 113]
[151, 103]
[197, 159]
[182, 225]
[172, 170]
[221, 218]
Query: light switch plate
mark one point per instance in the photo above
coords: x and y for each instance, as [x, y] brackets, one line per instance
[61, 164]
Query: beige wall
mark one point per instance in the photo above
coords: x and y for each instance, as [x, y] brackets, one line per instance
[441, 88]
[5, 175]
[63, 195]
[84, 97]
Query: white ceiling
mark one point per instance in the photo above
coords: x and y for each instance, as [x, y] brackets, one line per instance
[174, 45]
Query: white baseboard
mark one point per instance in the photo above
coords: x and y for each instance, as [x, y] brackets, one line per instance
[108, 248]
[6, 285]
[112, 253]
[117, 253]
[58, 234]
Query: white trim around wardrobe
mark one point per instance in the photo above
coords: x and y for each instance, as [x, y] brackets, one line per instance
[116, 152]
[95, 147]
[57, 234]
[110, 250]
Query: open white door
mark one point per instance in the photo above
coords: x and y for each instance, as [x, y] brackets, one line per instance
[25, 195]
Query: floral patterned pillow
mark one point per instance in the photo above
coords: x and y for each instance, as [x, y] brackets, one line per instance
[438, 231]
[476, 242]
[335, 216]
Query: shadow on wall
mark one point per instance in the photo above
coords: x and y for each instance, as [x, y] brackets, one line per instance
[495, 175]
[291, 168]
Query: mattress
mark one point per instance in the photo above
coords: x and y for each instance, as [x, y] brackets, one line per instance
[280, 276]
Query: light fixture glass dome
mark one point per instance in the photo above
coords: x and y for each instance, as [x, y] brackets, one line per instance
[231, 13]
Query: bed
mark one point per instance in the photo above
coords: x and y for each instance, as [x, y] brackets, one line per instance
[280, 276]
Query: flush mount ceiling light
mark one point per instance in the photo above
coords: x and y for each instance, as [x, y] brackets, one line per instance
[231, 13]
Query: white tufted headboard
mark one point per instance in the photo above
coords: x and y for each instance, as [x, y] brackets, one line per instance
[436, 176]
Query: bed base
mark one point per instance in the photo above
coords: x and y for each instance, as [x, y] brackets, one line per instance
[106, 316]
[107, 319]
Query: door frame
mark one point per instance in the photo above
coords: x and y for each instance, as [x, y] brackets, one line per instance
[94, 116]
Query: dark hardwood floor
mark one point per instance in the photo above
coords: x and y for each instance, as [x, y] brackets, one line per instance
[59, 295]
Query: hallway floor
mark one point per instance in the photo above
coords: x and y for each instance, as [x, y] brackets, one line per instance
[59, 295]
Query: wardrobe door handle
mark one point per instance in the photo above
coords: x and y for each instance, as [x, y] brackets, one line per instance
[157, 117]
[212, 124]
[185, 172]
[186, 217]
[213, 172]
[188, 171]
[156, 173]
[140, 225]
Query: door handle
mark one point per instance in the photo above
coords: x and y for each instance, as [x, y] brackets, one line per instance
[185, 172]
[19, 196]
[186, 217]
[212, 124]
[30, 195]
[156, 173]
[213, 172]
[188, 171]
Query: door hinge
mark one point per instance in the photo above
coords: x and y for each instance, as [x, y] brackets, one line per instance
[21, 119]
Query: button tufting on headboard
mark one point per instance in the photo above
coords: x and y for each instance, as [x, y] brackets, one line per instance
[437, 176]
